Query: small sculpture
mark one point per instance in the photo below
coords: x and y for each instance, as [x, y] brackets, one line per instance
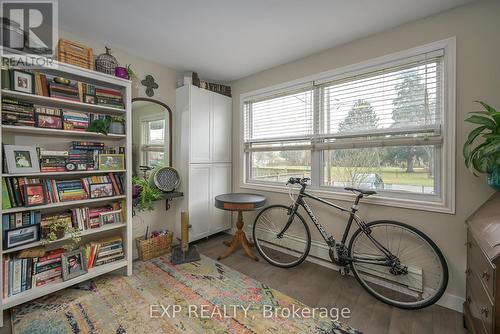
[150, 84]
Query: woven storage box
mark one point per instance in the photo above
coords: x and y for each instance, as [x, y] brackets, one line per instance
[154, 247]
[75, 54]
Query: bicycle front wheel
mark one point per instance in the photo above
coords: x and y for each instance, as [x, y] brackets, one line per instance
[421, 276]
[287, 250]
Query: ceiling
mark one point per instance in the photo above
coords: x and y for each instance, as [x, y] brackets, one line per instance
[224, 40]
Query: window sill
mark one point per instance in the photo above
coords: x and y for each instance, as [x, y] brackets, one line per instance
[405, 203]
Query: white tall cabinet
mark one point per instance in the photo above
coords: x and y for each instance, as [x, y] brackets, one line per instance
[203, 158]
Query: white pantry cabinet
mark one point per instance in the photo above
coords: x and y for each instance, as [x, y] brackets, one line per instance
[203, 158]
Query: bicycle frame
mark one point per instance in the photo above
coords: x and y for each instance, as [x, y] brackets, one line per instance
[389, 258]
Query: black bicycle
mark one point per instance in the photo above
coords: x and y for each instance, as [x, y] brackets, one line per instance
[394, 262]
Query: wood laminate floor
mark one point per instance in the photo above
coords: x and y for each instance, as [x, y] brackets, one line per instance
[318, 286]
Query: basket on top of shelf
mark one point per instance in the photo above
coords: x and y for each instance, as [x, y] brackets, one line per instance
[154, 247]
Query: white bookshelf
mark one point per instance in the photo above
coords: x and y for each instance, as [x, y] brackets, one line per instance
[47, 137]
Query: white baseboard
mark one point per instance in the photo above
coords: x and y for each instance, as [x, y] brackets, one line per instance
[318, 254]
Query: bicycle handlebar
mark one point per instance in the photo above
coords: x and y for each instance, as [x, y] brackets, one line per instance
[298, 180]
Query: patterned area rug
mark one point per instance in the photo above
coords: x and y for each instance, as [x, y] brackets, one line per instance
[198, 297]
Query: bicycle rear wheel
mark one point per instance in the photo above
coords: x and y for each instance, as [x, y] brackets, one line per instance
[288, 250]
[420, 279]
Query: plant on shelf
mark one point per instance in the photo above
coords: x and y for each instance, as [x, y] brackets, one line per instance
[131, 73]
[57, 230]
[100, 125]
[148, 195]
[485, 156]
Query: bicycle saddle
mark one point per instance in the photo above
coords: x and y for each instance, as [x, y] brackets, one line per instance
[361, 191]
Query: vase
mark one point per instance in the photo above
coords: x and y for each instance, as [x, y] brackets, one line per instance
[121, 72]
[494, 178]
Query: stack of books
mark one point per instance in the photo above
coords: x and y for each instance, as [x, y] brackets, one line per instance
[64, 191]
[48, 268]
[53, 161]
[109, 97]
[20, 275]
[85, 154]
[88, 218]
[66, 92]
[75, 121]
[18, 113]
[20, 219]
[104, 251]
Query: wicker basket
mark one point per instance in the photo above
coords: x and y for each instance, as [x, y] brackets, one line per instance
[154, 247]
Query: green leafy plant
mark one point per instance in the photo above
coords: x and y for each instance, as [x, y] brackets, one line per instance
[485, 156]
[148, 195]
[100, 125]
[131, 73]
[58, 230]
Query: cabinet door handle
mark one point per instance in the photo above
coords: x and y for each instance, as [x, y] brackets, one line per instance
[468, 244]
[485, 276]
[469, 300]
[467, 271]
[484, 311]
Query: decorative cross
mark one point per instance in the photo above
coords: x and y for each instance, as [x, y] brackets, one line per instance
[150, 84]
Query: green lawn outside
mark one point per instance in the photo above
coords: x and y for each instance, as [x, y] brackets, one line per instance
[390, 175]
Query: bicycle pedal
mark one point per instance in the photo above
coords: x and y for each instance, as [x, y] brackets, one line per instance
[344, 271]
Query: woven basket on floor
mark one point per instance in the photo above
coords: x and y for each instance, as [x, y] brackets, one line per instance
[154, 247]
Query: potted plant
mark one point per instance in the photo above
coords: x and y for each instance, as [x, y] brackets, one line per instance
[484, 157]
[57, 230]
[147, 196]
[100, 125]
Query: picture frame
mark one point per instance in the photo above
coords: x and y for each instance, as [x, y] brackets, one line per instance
[100, 190]
[111, 161]
[90, 99]
[21, 236]
[22, 81]
[110, 217]
[48, 121]
[34, 194]
[74, 264]
[21, 159]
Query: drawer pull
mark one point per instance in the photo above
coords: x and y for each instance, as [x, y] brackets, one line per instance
[484, 311]
[485, 276]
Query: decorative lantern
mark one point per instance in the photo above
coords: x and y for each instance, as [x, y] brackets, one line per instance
[106, 63]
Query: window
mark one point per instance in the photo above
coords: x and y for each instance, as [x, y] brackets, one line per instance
[383, 127]
[153, 142]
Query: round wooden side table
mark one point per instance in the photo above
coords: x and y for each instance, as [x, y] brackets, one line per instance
[239, 202]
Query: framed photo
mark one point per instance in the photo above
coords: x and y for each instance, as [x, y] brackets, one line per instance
[22, 81]
[48, 121]
[21, 236]
[21, 159]
[110, 217]
[98, 190]
[89, 99]
[73, 264]
[111, 161]
[34, 194]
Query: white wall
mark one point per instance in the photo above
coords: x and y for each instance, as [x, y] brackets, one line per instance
[166, 79]
[476, 28]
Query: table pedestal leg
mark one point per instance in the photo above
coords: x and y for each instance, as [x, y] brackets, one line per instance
[239, 238]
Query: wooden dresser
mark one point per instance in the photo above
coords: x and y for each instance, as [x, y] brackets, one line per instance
[482, 304]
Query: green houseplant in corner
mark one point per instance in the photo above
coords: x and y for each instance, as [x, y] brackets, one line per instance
[484, 157]
[148, 195]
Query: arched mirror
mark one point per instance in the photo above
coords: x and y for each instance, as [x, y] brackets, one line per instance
[151, 133]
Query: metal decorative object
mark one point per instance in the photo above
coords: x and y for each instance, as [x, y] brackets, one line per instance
[165, 178]
[106, 63]
[150, 84]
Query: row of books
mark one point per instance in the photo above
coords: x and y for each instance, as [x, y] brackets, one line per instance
[88, 218]
[18, 113]
[45, 85]
[13, 191]
[20, 219]
[104, 251]
[75, 121]
[22, 274]
[55, 191]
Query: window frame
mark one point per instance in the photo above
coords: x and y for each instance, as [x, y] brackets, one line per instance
[445, 201]
[144, 137]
